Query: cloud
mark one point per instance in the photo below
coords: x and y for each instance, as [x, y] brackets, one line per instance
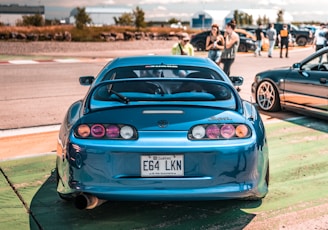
[169, 2]
[273, 2]
[161, 8]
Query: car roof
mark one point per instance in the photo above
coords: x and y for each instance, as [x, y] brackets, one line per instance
[162, 60]
[317, 53]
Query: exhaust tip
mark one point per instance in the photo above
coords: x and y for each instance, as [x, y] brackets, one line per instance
[81, 202]
[84, 201]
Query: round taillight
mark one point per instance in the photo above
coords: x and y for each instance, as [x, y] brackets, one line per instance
[113, 131]
[212, 131]
[83, 131]
[227, 131]
[126, 132]
[241, 131]
[198, 132]
[97, 130]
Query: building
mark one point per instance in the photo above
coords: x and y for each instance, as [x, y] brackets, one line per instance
[101, 15]
[205, 18]
[11, 14]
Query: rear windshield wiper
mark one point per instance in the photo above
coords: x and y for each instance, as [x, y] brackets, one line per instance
[121, 98]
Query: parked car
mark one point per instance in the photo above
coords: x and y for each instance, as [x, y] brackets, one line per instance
[303, 87]
[161, 128]
[248, 34]
[302, 37]
[199, 42]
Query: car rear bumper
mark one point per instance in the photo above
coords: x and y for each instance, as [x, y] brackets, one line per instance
[227, 191]
[234, 170]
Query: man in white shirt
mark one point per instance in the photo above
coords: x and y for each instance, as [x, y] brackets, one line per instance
[319, 37]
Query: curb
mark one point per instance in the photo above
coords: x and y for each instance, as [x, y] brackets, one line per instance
[63, 60]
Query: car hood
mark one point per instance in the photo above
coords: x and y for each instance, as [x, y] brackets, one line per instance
[275, 70]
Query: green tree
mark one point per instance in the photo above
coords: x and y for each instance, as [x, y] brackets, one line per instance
[33, 20]
[280, 16]
[236, 16]
[173, 21]
[259, 20]
[125, 20]
[81, 18]
[139, 18]
[242, 18]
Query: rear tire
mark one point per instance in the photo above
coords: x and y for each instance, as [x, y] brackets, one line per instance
[301, 41]
[242, 48]
[267, 97]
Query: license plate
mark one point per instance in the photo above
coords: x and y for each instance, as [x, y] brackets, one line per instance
[162, 165]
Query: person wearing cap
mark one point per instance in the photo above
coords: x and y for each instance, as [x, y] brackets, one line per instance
[183, 47]
[320, 37]
[215, 44]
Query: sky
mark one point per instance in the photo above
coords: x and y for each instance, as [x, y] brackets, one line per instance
[301, 10]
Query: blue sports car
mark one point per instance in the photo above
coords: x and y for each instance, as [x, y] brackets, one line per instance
[161, 128]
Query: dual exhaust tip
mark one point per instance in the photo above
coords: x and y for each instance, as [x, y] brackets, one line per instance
[87, 201]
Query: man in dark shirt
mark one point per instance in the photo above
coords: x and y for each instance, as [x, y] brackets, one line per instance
[259, 37]
[284, 40]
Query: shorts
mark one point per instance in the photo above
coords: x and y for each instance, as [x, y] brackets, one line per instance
[214, 55]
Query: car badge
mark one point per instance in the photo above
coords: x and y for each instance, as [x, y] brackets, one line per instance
[162, 123]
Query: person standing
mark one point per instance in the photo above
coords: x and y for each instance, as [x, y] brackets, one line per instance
[259, 37]
[230, 46]
[320, 37]
[214, 44]
[284, 40]
[272, 37]
[183, 47]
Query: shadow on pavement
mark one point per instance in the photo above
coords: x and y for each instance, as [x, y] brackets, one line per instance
[50, 212]
[297, 119]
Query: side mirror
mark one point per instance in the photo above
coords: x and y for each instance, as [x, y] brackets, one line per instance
[237, 80]
[296, 65]
[86, 80]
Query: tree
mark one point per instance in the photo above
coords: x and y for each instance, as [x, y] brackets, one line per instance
[125, 20]
[280, 18]
[139, 18]
[242, 18]
[34, 20]
[173, 21]
[81, 18]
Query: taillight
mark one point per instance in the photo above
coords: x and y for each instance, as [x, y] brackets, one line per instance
[106, 131]
[97, 130]
[198, 132]
[83, 131]
[213, 131]
[126, 132]
[227, 131]
[219, 131]
[113, 131]
[242, 131]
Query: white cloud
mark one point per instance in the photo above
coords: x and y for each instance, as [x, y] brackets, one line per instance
[161, 8]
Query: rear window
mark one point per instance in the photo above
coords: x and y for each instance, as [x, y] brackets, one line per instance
[163, 90]
[161, 71]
